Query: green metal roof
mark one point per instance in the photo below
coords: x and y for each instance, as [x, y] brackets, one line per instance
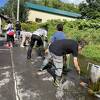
[51, 10]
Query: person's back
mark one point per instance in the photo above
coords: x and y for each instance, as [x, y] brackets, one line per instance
[10, 34]
[18, 29]
[18, 26]
[9, 26]
[65, 46]
[40, 32]
[59, 34]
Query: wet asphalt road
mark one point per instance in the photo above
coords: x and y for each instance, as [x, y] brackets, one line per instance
[21, 80]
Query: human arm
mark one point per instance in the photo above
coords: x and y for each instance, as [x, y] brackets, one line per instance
[46, 51]
[75, 60]
[52, 39]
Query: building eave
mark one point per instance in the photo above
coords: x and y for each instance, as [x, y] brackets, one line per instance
[51, 10]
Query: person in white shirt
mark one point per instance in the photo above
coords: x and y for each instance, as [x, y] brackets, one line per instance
[26, 36]
[37, 37]
[10, 34]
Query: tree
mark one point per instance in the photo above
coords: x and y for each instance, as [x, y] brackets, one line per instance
[91, 9]
[10, 9]
[58, 5]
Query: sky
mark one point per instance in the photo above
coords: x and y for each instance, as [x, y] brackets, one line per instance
[73, 1]
[2, 2]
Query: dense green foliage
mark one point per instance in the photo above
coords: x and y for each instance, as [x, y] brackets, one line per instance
[91, 9]
[10, 9]
[92, 52]
[29, 26]
[58, 4]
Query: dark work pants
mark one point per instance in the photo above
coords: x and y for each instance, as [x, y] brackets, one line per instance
[10, 38]
[32, 42]
[17, 34]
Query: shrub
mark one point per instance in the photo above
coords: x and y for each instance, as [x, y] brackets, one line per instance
[92, 52]
[29, 26]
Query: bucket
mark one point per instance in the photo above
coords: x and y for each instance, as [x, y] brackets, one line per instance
[94, 74]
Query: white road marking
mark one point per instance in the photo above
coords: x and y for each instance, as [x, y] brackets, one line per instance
[4, 49]
[6, 67]
[14, 76]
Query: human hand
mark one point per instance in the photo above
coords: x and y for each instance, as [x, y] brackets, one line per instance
[78, 70]
[46, 51]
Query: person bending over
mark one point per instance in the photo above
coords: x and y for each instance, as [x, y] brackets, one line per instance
[25, 36]
[37, 37]
[57, 50]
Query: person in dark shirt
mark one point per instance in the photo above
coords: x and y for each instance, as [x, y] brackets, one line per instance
[65, 46]
[62, 47]
[18, 29]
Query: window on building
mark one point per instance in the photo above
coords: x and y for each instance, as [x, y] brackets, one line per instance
[38, 20]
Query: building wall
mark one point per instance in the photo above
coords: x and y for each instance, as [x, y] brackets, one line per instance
[45, 16]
